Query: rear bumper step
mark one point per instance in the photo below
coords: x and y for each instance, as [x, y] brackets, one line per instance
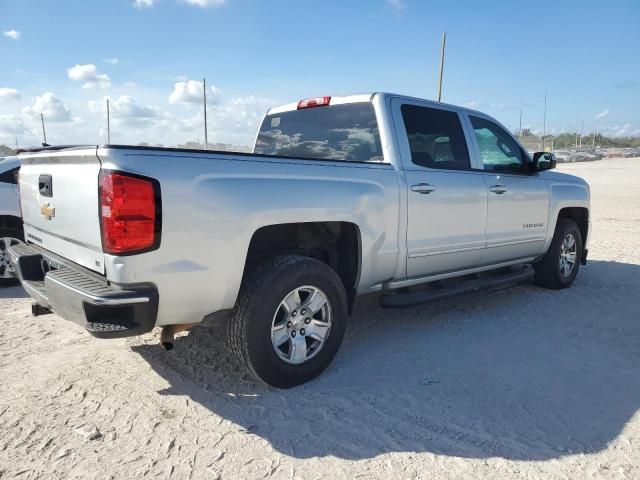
[104, 309]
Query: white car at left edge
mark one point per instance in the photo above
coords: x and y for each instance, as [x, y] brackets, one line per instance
[10, 221]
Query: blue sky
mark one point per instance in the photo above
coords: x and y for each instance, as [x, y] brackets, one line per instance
[66, 57]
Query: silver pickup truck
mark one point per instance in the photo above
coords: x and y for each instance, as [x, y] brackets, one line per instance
[341, 196]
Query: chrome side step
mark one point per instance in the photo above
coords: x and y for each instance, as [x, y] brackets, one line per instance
[468, 284]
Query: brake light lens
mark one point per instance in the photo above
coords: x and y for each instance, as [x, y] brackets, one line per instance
[128, 213]
[314, 102]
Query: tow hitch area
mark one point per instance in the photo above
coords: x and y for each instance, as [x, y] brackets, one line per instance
[37, 310]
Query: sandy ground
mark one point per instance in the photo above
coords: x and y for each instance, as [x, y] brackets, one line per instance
[524, 383]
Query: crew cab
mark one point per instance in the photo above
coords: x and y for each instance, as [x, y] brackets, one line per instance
[341, 196]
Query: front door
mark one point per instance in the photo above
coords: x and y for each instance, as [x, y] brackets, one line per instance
[447, 201]
[518, 202]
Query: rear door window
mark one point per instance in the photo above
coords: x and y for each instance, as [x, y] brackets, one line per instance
[436, 138]
[347, 132]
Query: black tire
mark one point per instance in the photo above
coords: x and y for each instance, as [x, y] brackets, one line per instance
[249, 331]
[6, 232]
[547, 271]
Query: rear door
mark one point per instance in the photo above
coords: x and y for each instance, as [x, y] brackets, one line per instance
[447, 200]
[518, 202]
[59, 198]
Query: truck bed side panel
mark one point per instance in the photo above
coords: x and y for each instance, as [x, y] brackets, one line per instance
[213, 204]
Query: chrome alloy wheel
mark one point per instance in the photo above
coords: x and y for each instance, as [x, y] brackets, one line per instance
[568, 255]
[301, 325]
[6, 269]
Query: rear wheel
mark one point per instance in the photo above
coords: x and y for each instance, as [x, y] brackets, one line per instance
[289, 320]
[8, 237]
[559, 267]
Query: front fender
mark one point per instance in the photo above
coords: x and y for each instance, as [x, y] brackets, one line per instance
[565, 194]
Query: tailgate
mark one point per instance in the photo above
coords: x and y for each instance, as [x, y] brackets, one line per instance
[59, 199]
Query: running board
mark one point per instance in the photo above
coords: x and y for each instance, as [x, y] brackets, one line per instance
[411, 299]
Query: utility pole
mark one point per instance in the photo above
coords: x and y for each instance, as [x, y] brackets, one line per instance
[108, 123]
[204, 96]
[593, 141]
[520, 129]
[581, 131]
[444, 43]
[544, 120]
[44, 132]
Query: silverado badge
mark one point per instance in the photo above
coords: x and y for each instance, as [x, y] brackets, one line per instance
[47, 211]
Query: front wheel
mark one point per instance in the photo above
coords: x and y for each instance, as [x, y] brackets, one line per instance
[559, 267]
[289, 320]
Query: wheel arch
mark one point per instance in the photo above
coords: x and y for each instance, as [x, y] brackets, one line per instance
[580, 215]
[11, 221]
[337, 244]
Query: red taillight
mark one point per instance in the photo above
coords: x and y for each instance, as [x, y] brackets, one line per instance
[314, 102]
[128, 213]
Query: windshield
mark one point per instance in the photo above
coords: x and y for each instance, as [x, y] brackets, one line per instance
[347, 132]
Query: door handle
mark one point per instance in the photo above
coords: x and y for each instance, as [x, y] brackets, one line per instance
[423, 188]
[499, 189]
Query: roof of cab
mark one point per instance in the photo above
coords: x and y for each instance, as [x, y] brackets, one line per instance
[368, 97]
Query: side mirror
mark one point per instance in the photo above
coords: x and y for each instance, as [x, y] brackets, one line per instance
[543, 161]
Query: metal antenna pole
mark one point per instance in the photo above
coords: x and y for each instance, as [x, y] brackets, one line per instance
[44, 132]
[544, 121]
[108, 123]
[444, 43]
[581, 131]
[204, 95]
[520, 129]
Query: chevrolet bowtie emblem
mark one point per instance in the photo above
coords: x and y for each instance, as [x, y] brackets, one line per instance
[47, 211]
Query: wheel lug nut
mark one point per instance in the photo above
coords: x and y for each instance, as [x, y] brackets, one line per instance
[293, 334]
[307, 321]
[302, 332]
[303, 311]
[294, 313]
[289, 324]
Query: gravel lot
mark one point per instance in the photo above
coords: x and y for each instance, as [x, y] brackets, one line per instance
[524, 382]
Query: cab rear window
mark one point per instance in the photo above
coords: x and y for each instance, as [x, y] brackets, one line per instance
[347, 132]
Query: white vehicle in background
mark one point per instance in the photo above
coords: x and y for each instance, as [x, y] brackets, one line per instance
[10, 222]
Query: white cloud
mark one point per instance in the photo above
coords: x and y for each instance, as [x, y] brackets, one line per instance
[50, 106]
[126, 107]
[191, 92]
[89, 75]
[397, 6]
[7, 94]
[11, 125]
[602, 114]
[205, 3]
[13, 34]
[143, 3]
[123, 109]
[112, 61]
[624, 130]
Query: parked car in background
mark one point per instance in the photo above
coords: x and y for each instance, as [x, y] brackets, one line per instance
[10, 222]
